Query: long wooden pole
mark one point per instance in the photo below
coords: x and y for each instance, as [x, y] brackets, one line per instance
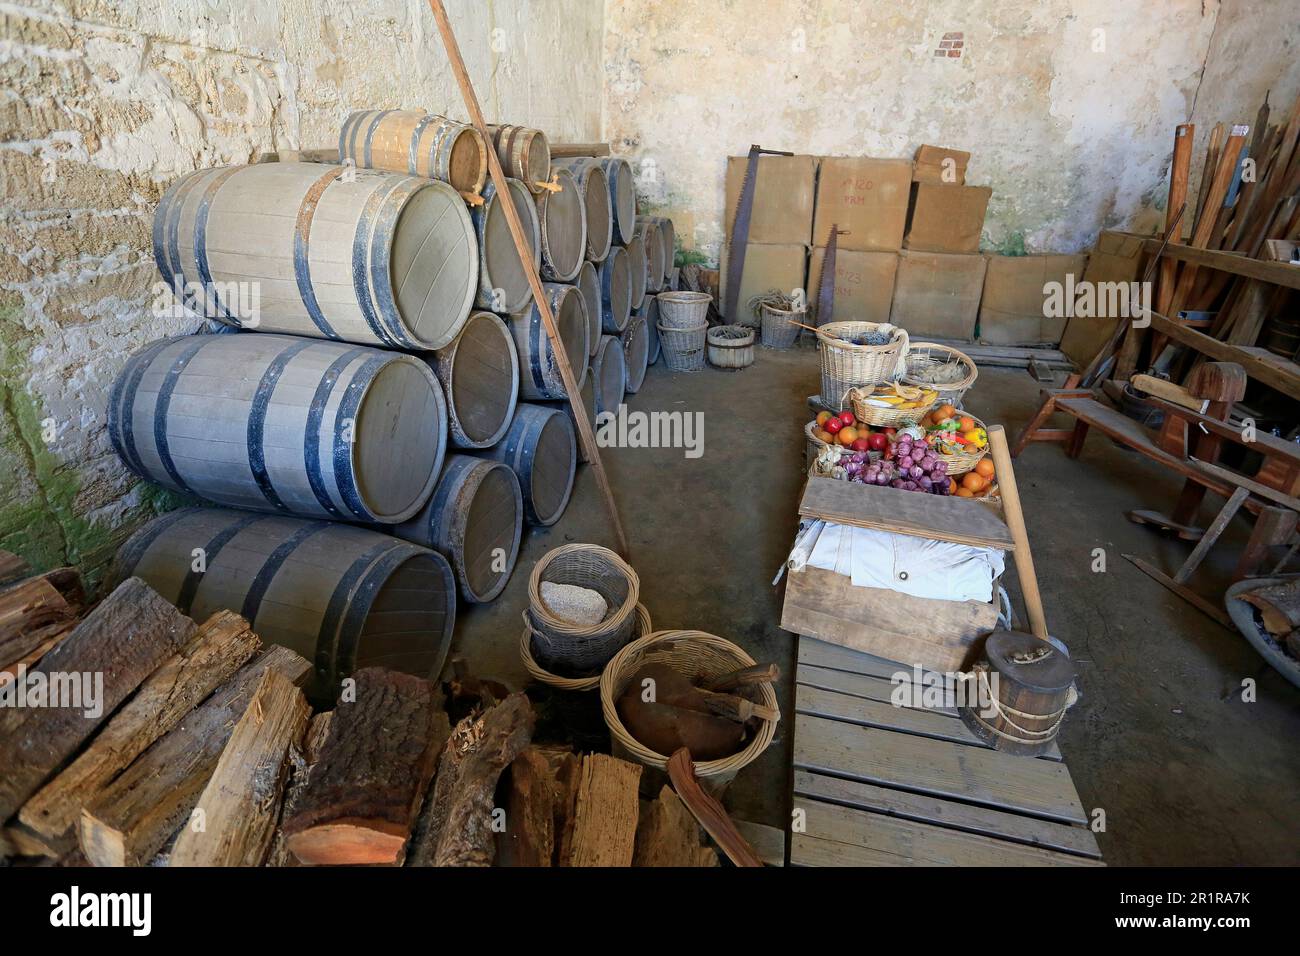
[530, 270]
[1015, 516]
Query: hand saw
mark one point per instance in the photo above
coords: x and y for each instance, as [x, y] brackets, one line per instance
[740, 228]
[826, 284]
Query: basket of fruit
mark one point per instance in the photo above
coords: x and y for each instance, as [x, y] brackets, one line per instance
[959, 439]
[942, 368]
[857, 354]
[840, 431]
[891, 404]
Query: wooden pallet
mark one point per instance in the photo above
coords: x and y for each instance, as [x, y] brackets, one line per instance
[881, 785]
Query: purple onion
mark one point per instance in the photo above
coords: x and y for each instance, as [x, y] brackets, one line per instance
[915, 472]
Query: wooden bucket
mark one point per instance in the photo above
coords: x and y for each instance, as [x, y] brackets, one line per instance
[609, 369]
[588, 283]
[503, 285]
[539, 373]
[371, 257]
[523, 153]
[341, 596]
[594, 187]
[418, 144]
[1025, 686]
[542, 449]
[615, 291]
[283, 424]
[588, 394]
[622, 196]
[668, 242]
[731, 346]
[648, 232]
[636, 351]
[638, 269]
[562, 221]
[474, 520]
[649, 313]
[479, 373]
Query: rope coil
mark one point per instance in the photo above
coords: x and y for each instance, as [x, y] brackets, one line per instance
[1004, 711]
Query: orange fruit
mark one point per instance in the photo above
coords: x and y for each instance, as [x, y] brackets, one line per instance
[944, 411]
[822, 418]
[847, 435]
[984, 468]
[972, 482]
[823, 435]
[952, 486]
[965, 493]
[967, 423]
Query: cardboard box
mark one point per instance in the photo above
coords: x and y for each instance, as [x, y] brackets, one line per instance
[767, 266]
[783, 198]
[946, 218]
[1117, 257]
[935, 164]
[1012, 311]
[864, 284]
[937, 295]
[868, 197]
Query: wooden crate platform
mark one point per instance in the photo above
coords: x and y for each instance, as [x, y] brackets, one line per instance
[881, 785]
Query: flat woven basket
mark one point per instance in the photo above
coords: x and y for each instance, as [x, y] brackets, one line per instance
[964, 462]
[892, 417]
[591, 682]
[562, 646]
[778, 332]
[845, 365]
[697, 655]
[929, 358]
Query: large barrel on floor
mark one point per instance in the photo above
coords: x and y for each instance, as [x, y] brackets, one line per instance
[636, 352]
[615, 291]
[341, 596]
[282, 424]
[593, 185]
[503, 284]
[332, 252]
[539, 368]
[541, 448]
[609, 368]
[638, 270]
[668, 242]
[474, 519]
[479, 373]
[622, 196]
[418, 144]
[648, 231]
[523, 153]
[588, 283]
[649, 313]
[562, 224]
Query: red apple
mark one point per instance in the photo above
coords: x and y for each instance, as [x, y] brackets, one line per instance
[833, 425]
[877, 441]
[861, 444]
[847, 418]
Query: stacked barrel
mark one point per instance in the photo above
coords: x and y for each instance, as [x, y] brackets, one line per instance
[362, 436]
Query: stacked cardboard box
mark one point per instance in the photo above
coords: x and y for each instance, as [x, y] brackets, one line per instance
[1013, 309]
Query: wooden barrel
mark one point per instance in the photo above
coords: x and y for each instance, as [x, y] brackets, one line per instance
[668, 242]
[1022, 689]
[638, 268]
[609, 369]
[590, 176]
[418, 144]
[622, 196]
[588, 283]
[636, 350]
[503, 285]
[542, 449]
[615, 291]
[649, 312]
[282, 424]
[479, 373]
[343, 597]
[588, 402]
[332, 252]
[523, 153]
[539, 373]
[562, 222]
[474, 520]
[648, 232]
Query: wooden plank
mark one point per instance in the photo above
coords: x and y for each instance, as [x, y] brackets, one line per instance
[1169, 392]
[566, 150]
[1266, 444]
[1281, 378]
[947, 813]
[768, 842]
[855, 685]
[1277, 273]
[1206, 607]
[936, 767]
[873, 839]
[1254, 487]
[824, 654]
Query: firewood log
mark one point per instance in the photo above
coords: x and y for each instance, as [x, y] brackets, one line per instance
[668, 835]
[1279, 606]
[532, 792]
[302, 761]
[714, 819]
[12, 567]
[28, 609]
[605, 812]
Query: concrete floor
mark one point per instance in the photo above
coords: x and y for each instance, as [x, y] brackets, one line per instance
[1161, 740]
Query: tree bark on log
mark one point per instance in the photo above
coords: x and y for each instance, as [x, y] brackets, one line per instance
[605, 812]
[139, 812]
[27, 609]
[529, 838]
[303, 760]
[223, 644]
[120, 644]
[365, 792]
[714, 819]
[241, 802]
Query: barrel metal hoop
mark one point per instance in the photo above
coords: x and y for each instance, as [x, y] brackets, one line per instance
[315, 415]
[363, 598]
[327, 637]
[344, 480]
[381, 240]
[210, 297]
[193, 578]
[374, 125]
[344, 132]
[413, 155]
[256, 433]
[262, 581]
[301, 253]
[164, 402]
[176, 268]
[360, 249]
[538, 341]
[121, 404]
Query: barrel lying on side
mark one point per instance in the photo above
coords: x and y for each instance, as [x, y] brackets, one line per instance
[368, 257]
[615, 291]
[668, 242]
[588, 402]
[479, 373]
[636, 350]
[609, 367]
[588, 283]
[539, 370]
[649, 313]
[562, 222]
[341, 596]
[622, 196]
[503, 284]
[590, 176]
[282, 424]
[541, 449]
[418, 144]
[648, 231]
[475, 520]
[523, 153]
[638, 270]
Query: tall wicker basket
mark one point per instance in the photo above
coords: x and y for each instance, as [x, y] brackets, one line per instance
[683, 310]
[641, 628]
[683, 349]
[845, 365]
[562, 646]
[778, 331]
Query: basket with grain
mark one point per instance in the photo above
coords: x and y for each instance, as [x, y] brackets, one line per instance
[948, 370]
[850, 356]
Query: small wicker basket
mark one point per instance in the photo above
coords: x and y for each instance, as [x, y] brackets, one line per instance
[778, 330]
[925, 358]
[964, 461]
[813, 446]
[683, 310]
[590, 682]
[683, 349]
[892, 417]
[845, 365]
[562, 646]
[697, 655]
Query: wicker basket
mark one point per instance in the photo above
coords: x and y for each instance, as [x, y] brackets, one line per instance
[591, 682]
[778, 332]
[731, 346]
[961, 463]
[845, 365]
[683, 349]
[562, 646]
[923, 356]
[683, 310]
[891, 417]
[697, 655]
[813, 446]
